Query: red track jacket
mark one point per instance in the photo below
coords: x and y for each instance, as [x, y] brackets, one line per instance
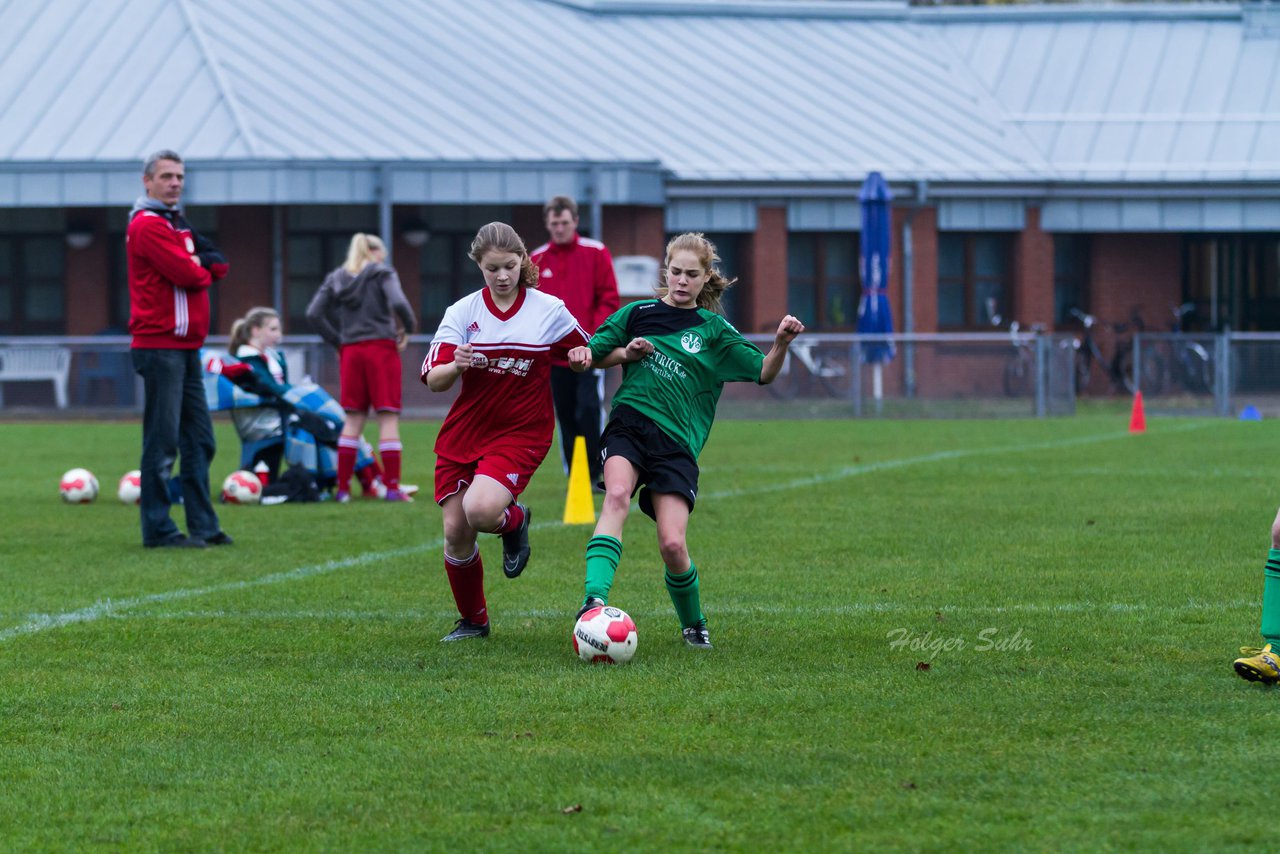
[168, 288]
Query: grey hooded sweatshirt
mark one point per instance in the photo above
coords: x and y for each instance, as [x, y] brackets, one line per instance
[362, 307]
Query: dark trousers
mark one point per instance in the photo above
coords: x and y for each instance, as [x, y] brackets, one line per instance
[175, 422]
[577, 401]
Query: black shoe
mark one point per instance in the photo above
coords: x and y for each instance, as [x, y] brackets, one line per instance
[591, 602]
[222, 538]
[177, 541]
[464, 629]
[696, 636]
[515, 547]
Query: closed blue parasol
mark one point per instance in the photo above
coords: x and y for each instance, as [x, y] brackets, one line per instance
[874, 317]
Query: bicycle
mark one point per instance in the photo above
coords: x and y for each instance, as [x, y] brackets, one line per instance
[1020, 370]
[1189, 362]
[1119, 368]
[1087, 350]
[828, 372]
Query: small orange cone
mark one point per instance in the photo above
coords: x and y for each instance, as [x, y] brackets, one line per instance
[1138, 420]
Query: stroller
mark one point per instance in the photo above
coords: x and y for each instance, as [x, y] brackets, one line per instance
[311, 424]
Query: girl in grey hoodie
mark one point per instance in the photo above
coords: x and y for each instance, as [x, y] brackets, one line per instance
[362, 311]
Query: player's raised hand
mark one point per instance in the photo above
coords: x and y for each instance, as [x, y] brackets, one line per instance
[638, 348]
[788, 329]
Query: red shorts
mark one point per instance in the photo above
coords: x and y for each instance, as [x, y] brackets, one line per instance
[369, 373]
[509, 465]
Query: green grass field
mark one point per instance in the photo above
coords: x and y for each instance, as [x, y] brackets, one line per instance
[997, 635]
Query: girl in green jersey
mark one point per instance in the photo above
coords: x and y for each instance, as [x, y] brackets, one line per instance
[677, 353]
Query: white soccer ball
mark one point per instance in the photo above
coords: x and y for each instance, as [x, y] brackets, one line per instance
[242, 487]
[605, 635]
[78, 486]
[130, 489]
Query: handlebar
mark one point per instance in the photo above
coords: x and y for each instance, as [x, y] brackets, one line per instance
[1087, 319]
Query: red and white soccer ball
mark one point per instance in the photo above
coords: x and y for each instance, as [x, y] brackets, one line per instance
[78, 486]
[242, 487]
[130, 489]
[605, 635]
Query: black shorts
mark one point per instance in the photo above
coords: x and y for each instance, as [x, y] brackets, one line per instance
[664, 465]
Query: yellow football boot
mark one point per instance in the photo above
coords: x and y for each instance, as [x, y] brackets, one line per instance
[1258, 665]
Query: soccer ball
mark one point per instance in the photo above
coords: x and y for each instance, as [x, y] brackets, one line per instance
[130, 489]
[605, 635]
[78, 486]
[242, 487]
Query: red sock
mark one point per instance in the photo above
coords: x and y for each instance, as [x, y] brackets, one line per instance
[346, 461]
[390, 452]
[466, 579]
[512, 519]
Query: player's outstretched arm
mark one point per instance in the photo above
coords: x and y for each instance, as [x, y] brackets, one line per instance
[635, 350]
[788, 329]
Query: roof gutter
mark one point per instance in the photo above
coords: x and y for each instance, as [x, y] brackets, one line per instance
[901, 11]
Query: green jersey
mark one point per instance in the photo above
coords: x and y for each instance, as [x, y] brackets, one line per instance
[695, 352]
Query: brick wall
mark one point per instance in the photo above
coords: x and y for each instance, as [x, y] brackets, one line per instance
[1128, 271]
[764, 282]
[244, 234]
[1033, 273]
[88, 291]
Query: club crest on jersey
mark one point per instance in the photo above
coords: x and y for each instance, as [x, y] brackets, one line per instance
[691, 342]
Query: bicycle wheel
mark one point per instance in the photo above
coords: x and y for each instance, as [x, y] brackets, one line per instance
[1084, 368]
[1017, 376]
[784, 386]
[833, 375]
[1121, 370]
[1153, 373]
[1197, 370]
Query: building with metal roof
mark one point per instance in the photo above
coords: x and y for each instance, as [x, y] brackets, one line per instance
[1035, 151]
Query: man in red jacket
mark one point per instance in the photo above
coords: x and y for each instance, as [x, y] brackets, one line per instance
[170, 270]
[579, 271]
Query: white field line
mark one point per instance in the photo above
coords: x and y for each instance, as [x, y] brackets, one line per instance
[940, 457]
[852, 609]
[115, 607]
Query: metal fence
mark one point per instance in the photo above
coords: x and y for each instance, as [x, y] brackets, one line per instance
[936, 375]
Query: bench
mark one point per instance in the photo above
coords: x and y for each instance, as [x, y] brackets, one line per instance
[28, 364]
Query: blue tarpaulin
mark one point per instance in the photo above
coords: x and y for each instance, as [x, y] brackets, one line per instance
[874, 317]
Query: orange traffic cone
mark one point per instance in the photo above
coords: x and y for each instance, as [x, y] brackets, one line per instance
[1138, 420]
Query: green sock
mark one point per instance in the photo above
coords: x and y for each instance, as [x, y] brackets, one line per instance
[684, 595]
[1271, 600]
[603, 554]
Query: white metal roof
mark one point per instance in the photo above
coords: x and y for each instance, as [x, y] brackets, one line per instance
[737, 92]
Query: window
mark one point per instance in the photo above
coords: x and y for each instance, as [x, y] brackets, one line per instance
[822, 279]
[448, 274]
[310, 258]
[973, 280]
[1234, 280]
[1070, 276]
[32, 285]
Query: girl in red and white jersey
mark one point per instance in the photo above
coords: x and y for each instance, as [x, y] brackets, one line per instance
[500, 341]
